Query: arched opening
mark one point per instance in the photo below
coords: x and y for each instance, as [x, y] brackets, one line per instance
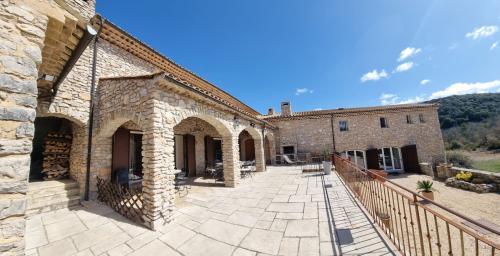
[127, 156]
[198, 147]
[52, 148]
[267, 150]
[251, 146]
[247, 146]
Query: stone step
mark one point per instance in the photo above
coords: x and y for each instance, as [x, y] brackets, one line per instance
[37, 186]
[45, 196]
[52, 206]
[50, 192]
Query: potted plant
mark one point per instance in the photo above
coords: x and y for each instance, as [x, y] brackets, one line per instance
[385, 218]
[327, 165]
[425, 188]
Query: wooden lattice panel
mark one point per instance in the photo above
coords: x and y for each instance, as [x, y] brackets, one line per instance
[125, 201]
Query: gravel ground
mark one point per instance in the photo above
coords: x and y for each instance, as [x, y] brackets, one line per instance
[476, 206]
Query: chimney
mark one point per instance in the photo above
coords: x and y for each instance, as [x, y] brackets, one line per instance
[270, 112]
[286, 108]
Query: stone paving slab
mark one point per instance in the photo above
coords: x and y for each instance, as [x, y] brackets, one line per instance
[277, 212]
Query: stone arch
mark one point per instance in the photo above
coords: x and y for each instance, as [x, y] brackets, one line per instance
[71, 118]
[219, 125]
[259, 147]
[102, 146]
[110, 122]
[229, 145]
[77, 154]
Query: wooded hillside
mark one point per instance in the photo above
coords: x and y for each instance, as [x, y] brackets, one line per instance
[470, 121]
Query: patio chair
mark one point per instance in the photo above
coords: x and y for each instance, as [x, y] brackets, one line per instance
[181, 183]
[246, 168]
[124, 179]
[290, 162]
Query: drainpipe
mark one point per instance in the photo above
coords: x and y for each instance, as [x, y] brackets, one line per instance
[91, 112]
[333, 134]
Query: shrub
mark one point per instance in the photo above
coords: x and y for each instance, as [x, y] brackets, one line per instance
[466, 176]
[459, 159]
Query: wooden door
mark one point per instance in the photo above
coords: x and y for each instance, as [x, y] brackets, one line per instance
[190, 155]
[121, 151]
[372, 159]
[249, 150]
[410, 158]
[209, 151]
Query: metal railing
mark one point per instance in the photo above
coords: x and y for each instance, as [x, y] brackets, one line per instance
[415, 225]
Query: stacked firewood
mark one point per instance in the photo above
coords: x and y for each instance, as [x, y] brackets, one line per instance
[56, 152]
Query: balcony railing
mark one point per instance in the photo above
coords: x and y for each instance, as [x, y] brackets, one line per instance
[415, 225]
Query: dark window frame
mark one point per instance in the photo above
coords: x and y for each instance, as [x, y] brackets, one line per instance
[421, 118]
[384, 123]
[345, 127]
[409, 120]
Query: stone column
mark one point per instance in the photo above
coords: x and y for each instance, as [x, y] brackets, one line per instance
[22, 32]
[231, 160]
[260, 161]
[158, 162]
[200, 153]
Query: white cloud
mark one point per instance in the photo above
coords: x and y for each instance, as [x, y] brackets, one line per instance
[404, 67]
[493, 46]
[374, 75]
[393, 99]
[467, 88]
[300, 91]
[317, 109]
[425, 81]
[407, 53]
[480, 32]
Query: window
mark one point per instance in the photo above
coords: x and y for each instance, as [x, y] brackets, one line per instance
[289, 151]
[408, 119]
[421, 118]
[343, 126]
[383, 123]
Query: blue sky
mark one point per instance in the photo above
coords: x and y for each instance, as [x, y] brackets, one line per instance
[325, 54]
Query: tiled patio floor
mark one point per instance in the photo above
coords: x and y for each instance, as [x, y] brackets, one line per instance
[279, 212]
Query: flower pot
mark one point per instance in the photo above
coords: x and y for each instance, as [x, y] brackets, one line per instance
[327, 167]
[386, 220]
[428, 195]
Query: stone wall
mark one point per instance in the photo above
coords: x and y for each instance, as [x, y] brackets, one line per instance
[21, 39]
[306, 135]
[72, 100]
[313, 135]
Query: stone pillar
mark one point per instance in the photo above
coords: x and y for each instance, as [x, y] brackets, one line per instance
[200, 153]
[158, 162]
[100, 165]
[260, 161]
[78, 157]
[231, 160]
[22, 32]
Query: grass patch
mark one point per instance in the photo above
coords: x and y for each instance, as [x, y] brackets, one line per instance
[492, 165]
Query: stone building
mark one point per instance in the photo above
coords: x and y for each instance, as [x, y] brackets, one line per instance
[83, 100]
[393, 138]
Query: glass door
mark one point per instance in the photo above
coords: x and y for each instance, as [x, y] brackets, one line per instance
[390, 159]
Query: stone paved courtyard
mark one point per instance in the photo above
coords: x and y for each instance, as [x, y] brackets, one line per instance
[278, 212]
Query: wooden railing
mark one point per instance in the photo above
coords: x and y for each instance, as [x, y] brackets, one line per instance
[415, 225]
